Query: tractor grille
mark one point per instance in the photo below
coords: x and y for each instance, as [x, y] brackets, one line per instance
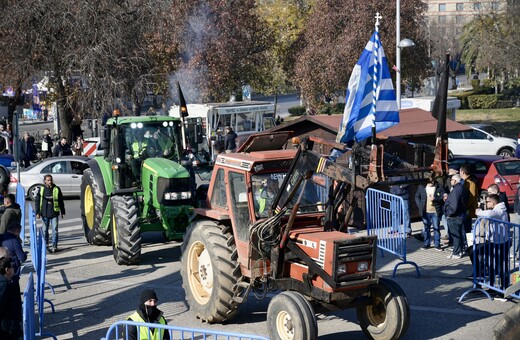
[173, 185]
[352, 251]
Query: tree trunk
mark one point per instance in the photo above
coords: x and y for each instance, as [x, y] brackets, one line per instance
[64, 112]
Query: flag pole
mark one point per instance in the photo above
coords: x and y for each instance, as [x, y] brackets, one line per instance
[183, 112]
[376, 78]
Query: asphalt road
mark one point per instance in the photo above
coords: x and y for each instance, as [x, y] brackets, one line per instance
[91, 292]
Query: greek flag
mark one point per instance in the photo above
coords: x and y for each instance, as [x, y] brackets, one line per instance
[370, 96]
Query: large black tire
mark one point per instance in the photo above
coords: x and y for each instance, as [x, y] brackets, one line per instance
[383, 317]
[403, 304]
[210, 271]
[508, 327]
[126, 233]
[291, 316]
[93, 205]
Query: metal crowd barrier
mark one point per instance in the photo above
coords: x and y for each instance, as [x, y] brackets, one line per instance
[119, 330]
[20, 199]
[384, 216]
[494, 267]
[29, 323]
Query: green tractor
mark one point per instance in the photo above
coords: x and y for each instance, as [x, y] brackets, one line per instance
[141, 183]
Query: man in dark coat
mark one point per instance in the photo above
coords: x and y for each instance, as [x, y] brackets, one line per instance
[11, 241]
[230, 140]
[27, 149]
[455, 208]
[62, 148]
[10, 302]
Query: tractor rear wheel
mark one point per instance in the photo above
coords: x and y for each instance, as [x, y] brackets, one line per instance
[126, 233]
[386, 315]
[210, 271]
[93, 205]
[290, 316]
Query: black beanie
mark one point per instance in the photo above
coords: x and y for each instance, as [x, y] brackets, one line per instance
[146, 295]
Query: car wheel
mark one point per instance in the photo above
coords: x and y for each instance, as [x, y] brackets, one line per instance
[33, 191]
[506, 153]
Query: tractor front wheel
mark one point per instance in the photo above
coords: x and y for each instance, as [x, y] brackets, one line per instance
[93, 205]
[126, 233]
[290, 316]
[387, 314]
[210, 271]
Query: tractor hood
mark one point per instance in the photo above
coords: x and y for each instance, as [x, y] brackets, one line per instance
[165, 168]
[265, 141]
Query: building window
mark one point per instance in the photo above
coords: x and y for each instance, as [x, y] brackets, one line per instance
[459, 19]
[460, 6]
[476, 6]
[495, 6]
[442, 7]
[442, 19]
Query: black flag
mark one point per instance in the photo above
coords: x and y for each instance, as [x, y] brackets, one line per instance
[183, 108]
[441, 100]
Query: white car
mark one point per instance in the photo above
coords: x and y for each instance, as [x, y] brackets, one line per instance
[483, 139]
[66, 172]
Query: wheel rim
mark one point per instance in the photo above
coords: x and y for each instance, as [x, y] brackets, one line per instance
[88, 206]
[285, 326]
[33, 192]
[200, 272]
[377, 312]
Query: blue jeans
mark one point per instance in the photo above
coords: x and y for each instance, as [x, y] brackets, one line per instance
[431, 220]
[53, 222]
[456, 231]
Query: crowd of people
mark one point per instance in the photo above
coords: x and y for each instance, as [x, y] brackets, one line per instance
[31, 151]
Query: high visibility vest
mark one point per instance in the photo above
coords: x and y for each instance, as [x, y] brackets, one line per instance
[157, 333]
[261, 201]
[136, 149]
[55, 193]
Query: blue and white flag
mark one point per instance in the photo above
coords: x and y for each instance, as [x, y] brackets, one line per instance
[370, 97]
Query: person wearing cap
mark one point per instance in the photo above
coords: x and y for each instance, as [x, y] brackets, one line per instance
[455, 209]
[147, 311]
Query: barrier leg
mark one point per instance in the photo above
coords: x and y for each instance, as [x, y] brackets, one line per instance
[407, 262]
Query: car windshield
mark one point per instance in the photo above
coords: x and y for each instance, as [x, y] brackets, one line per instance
[508, 168]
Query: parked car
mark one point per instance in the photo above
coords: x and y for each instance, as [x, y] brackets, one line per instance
[66, 172]
[500, 170]
[483, 139]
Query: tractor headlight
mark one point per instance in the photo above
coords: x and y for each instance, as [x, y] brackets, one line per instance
[342, 269]
[362, 266]
[184, 195]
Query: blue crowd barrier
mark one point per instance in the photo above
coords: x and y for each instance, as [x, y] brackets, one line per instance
[119, 330]
[384, 216]
[20, 199]
[494, 267]
[29, 322]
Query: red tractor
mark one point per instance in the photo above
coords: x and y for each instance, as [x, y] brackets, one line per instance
[270, 224]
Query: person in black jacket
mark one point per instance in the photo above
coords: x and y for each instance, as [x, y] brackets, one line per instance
[49, 205]
[11, 310]
[455, 208]
[27, 149]
[148, 312]
[430, 201]
[62, 148]
[230, 140]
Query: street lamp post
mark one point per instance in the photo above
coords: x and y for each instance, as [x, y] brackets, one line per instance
[399, 44]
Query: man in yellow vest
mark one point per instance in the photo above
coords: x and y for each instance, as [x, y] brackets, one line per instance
[148, 312]
[49, 206]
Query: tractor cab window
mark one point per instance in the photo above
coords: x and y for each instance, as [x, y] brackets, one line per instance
[265, 189]
[239, 204]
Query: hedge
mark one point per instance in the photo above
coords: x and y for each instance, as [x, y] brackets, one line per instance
[483, 101]
[297, 110]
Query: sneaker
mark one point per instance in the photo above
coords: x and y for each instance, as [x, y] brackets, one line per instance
[425, 247]
[445, 238]
[450, 256]
[439, 248]
[408, 235]
[458, 256]
[53, 250]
